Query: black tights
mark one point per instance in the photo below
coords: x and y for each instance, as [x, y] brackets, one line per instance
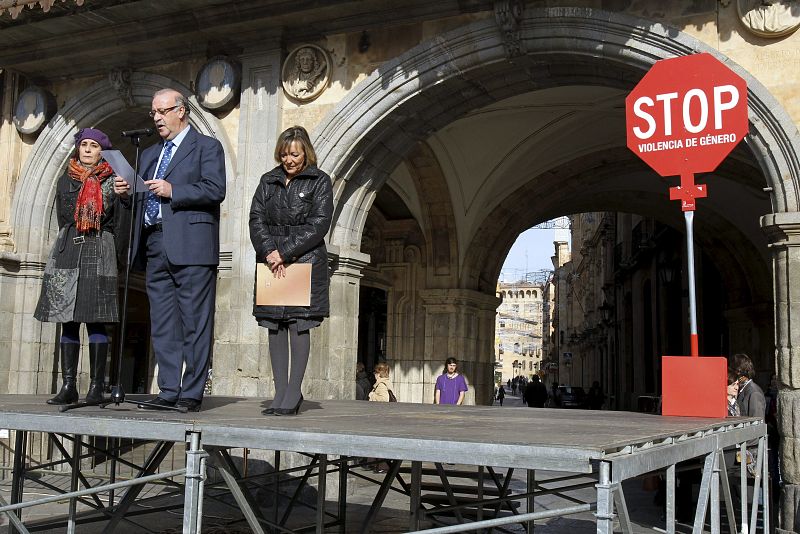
[287, 385]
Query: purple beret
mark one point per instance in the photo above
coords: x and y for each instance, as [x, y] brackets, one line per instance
[95, 135]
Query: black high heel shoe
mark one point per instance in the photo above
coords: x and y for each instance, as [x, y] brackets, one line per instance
[268, 411]
[289, 411]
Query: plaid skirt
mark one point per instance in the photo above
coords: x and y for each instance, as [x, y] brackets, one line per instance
[80, 279]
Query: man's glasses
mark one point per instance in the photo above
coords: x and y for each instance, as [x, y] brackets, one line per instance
[161, 111]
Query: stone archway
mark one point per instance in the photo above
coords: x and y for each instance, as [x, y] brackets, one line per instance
[54, 145]
[435, 83]
[31, 369]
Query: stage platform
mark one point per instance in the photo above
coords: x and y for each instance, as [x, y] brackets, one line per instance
[613, 445]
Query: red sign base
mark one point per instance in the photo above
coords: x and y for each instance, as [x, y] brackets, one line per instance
[694, 386]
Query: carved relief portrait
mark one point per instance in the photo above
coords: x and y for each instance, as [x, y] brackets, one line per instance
[218, 84]
[33, 109]
[306, 72]
[770, 18]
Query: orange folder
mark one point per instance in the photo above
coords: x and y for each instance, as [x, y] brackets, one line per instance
[294, 289]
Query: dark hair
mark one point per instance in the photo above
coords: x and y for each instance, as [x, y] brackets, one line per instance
[300, 135]
[732, 376]
[743, 366]
[448, 361]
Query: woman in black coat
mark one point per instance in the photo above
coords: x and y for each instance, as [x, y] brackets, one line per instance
[80, 279]
[289, 218]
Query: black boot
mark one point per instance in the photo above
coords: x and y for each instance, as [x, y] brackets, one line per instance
[69, 372]
[97, 372]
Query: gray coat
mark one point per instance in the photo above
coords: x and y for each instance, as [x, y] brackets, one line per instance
[80, 278]
[751, 400]
[294, 221]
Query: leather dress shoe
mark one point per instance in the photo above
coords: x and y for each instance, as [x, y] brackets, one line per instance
[157, 401]
[191, 405]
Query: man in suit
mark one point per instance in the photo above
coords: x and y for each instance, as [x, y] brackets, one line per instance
[178, 247]
[751, 400]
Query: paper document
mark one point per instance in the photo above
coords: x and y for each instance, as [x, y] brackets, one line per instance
[124, 170]
[294, 289]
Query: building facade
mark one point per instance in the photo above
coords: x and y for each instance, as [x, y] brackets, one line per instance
[448, 128]
[519, 327]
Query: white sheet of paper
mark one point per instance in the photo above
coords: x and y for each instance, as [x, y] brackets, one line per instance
[124, 170]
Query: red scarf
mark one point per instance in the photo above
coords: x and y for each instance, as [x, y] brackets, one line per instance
[89, 208]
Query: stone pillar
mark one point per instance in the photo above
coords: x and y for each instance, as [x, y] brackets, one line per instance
[331, 372]
[10, 154]
[783, 231]
[460, 323]
[241, 356]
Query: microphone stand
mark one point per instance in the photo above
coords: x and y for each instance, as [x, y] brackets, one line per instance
[137, 216]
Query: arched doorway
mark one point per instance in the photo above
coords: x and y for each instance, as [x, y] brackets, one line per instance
[574, 69]
[34, 225]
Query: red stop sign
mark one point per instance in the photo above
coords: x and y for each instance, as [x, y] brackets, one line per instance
[686, 115]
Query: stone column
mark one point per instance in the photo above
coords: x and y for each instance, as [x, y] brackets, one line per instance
[783, 231]
[334, 346]
[241, 357]
[460, 323]
[10, 154]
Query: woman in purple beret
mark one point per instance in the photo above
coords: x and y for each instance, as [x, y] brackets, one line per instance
[80, 279]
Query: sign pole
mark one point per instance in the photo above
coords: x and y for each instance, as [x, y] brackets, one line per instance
[689, 218]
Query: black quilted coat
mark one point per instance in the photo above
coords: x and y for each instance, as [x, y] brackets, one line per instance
[294, 219]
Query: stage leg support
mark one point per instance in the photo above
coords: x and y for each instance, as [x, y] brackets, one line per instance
[605, 501]
[531, 489]
[244, 499]
[193, 489]
[671, 499]
[702, 498]
[622, 509]
[322, 470]
[344, 468]
[18, 474]
[415, 496]
[73, 483]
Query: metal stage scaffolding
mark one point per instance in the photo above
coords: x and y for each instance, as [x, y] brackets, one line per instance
[415, 440]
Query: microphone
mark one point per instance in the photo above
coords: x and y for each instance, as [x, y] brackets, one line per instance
[141, 132]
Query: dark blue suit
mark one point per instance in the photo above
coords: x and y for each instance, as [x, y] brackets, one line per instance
[181, 263]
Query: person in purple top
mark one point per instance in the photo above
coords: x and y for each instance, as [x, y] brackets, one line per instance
[450, 386]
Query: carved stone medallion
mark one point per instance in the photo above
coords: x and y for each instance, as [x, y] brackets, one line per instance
[33, 109]
[217, 84]
[770, 18]
[306, 72]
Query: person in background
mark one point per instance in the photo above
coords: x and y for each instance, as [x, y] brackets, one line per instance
[750, 398]
[595, 398]
[80, 279]
[363, 385]
[450, 385]
[290, 215]
[501, 393]
[380, 393]
[535, 394]
[733, 392]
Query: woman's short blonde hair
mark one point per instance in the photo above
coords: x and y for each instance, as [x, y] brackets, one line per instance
[382, 369]
[296, 134]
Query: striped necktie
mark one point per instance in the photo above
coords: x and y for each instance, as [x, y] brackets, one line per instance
[152, 202]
